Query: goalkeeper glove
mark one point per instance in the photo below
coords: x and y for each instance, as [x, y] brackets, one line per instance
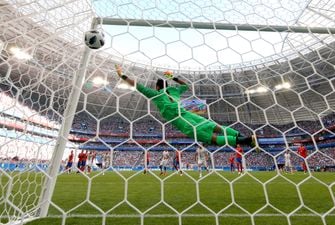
[169, 75]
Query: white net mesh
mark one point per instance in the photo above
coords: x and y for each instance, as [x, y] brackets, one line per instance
[243, 70]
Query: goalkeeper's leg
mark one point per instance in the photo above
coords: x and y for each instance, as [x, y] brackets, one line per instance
[229, 131]
[233, 140]
[233, 137]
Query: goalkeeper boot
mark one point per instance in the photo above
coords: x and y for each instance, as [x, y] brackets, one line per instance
[250, 140]
[244, 140]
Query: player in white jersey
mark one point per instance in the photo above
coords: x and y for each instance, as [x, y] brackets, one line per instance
[164, 162]
[106, 159]
[201, 157]
[288, 164]
[90, 161]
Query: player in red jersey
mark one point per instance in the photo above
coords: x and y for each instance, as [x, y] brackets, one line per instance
[147, 161]
[84, 160]
[69, 162]
[80, 160]
[239, 153]
[302, 151]
[232, 163]
[176, 161]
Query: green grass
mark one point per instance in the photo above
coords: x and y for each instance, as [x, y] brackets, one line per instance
[124, 196]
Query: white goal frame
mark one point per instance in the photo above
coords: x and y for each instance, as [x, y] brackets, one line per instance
[64, 131]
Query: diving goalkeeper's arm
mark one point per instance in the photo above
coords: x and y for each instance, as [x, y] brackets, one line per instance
[124, 77]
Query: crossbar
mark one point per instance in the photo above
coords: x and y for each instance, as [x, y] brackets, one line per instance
[214, 25]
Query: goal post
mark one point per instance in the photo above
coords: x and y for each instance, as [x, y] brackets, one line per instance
[64, 131]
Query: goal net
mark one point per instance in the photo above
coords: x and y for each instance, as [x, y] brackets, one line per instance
[79, 144]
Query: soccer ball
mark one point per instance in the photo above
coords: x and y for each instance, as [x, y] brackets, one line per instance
[94, 39]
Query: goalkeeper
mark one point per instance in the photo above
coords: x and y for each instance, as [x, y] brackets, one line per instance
[167, 100]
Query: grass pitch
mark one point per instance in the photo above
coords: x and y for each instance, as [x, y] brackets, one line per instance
[255, 198]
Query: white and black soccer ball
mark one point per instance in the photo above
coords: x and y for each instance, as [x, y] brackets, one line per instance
[94, 39]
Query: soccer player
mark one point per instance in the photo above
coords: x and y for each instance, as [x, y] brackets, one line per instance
[90, 161]
[84, 161]
[239, 153]
[164, 162]
[281, 163]
[106, 161]
[146, 161]
[167, 100]
[201, 158]
[302, 151]
[232, 163]
[69, 162]
[99, 159]
[288, 164]
[80, 160]
[177, 161]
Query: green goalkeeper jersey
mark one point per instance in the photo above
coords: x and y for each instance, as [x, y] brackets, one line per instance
[168, 103]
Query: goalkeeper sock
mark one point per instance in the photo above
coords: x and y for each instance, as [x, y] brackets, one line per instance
[221, 140]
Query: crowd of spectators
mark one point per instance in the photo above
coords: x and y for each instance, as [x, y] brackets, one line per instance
[24, 150]
[11, 107]
[323, 158]
[146, 132]
[118, 124]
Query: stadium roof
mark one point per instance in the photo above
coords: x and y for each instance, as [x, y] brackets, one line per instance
[51, 32]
